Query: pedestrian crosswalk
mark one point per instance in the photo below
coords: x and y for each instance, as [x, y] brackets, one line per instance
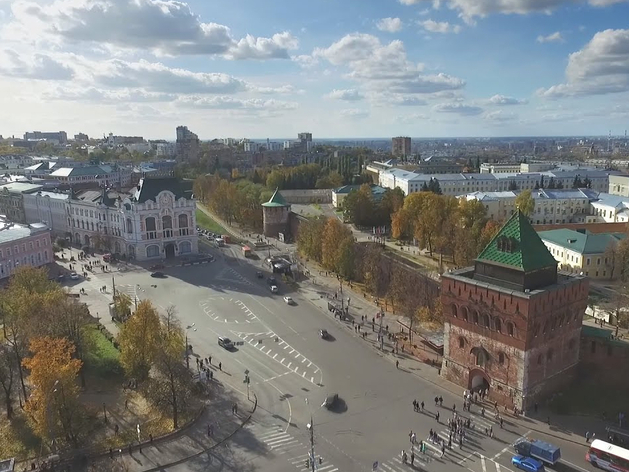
[296, 451]
[130, 290]
[230, 276]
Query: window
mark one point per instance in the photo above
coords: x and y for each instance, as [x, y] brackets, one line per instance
[510, 328]
[464, 312]
[501, 358]
[38, 243]
[453, 310]
[30, 245]
[151, 230]
[475, 316]
[152, 251]
[16, 249]
[185, 247]
[129, 226]
[8, 251]
[167, 226]
[485, 319]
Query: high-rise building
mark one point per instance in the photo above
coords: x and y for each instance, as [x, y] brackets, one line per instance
[187, 145]
[401, 146]
[305, 140]
[60, 136]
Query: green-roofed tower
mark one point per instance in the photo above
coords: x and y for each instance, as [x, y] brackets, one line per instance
[276, 216]
[517, 257]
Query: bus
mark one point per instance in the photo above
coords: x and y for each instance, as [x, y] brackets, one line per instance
[607, 456]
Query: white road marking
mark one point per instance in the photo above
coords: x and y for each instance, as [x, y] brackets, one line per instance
[282, 361]
[304, 374]
[289, 364]
[482, 463]
[286, 347]
[303, 360]
[497, 467]
[291, 351]
[309, 364]
[312, 379]
[275, 355]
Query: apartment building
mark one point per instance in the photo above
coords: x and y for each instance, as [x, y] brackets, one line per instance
[401, 146]
[12, 199]
[101, 175]
[23, 245]
[187, 145]
[48, 208]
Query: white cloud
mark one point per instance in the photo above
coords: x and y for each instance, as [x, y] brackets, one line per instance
[349, 95]
[282, 90]
[601, 67]
[413, 117]
[390, 25]
[469, 9]
[306, 61]
[504, 100]
[354, 113]
[384, 67]
[231, 103]
[499, 116]
[165, 27]
[439, 26]
[551, 38]
[457, 108]
[37, 66]
[92, 94]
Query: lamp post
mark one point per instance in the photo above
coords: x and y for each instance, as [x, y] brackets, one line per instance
[247, 381]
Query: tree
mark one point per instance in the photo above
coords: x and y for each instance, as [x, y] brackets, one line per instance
[359, 207]
[122, 306]
[8, 373]
[310, 236]
[54, 400]
[172, 387]
[333, 235]
[490, 230]
[433, 186]
[138, 339]
[577, 183]
[525, 203]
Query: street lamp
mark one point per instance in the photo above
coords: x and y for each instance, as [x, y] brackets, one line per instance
[247, 381]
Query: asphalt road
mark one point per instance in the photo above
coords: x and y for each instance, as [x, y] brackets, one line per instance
[291, 376]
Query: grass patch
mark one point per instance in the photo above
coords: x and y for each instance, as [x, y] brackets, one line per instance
[16, 437]
[102, 359]
[205, 222]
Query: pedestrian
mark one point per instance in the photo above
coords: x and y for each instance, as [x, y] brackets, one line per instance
[535, 407]
[413, 438]
[443, 450]
[220, 366]
[422, 405]
[397, 364]
[501, 422]
[412, 457]
[587, 437]
[548, 420]
[437, 417]
[236, 408]
[414, 405]
[436, 400]
[209, 430]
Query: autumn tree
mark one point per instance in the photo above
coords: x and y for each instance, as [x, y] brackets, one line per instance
[359, 207]
[333, 246]
[138, 339]
[8, 376]
[525, 202]
[392, 201]
[54, 400]
[172, 387]
[310, 237]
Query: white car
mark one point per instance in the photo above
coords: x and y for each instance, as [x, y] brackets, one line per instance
[274, 289]
[288, 300]
[74, 276]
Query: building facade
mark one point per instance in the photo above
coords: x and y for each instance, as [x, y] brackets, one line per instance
[619, 185]
[23, 245]
[583, 252]
[401, 146]
[155, 220]
[187, 145]
[101, 175]
[12, 200]
[60, 137]
[48, 208]
[512, 322]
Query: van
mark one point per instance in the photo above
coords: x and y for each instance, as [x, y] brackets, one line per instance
[225, 343]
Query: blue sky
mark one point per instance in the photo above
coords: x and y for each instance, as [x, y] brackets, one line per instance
[336, 68]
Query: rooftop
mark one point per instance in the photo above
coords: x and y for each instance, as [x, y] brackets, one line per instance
[517, 245]
[14, 232]
[78, 171]
[150, 187]
[21, 187]
[583, 243]
[276, 200]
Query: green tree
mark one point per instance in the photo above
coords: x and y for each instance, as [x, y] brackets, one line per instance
[8, 377]
[139, 341]
[525, 203]
[122, 306]
[359, 207]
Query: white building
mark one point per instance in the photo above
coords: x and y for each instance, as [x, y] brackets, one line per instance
[619, 185]
[165, 149]
[461, 184]
[252, 147]
[48, 208]
[154, 220]
[101, 175]
[23, 245]
[611, 208]
[142, 148]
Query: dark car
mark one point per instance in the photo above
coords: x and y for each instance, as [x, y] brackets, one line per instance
[324, 334]
[330, 400]
[156, 267]
[527, 464]
[158, 275]
[272, 281]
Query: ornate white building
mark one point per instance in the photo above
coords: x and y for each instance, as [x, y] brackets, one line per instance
[154, 220]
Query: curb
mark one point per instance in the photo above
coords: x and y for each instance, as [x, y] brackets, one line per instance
[197, 454]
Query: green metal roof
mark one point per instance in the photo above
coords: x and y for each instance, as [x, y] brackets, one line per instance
[276, 200]
[588, 243]
[524, 250]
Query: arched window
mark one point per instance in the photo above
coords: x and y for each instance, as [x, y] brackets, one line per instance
[129, 226]
[182, 220]
[152, 251]
[453, 310]
[461, 342]
[510, 328]
[485, 320]
[464, 313]
[481, 356]
[167, 226]
[185, 247]
[498, 324]
[151, 230]
[475, 316]
[501, 358]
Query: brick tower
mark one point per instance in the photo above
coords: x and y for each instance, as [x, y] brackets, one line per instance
[512, 322]
[275, 216]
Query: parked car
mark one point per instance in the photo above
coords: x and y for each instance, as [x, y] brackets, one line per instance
[324, 333]
[74, 276]
[158, 275]
[272, 281]
[288, 300]
[330, 400]
[274, 289]
[225, 343]
[259, 274]
[527, 464]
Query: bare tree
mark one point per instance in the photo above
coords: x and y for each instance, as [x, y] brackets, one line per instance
[7, 377]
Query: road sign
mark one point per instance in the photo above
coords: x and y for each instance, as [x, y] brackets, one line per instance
[375, 465]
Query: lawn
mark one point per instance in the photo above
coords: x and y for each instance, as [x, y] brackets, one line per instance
[205, 222]
[101, 358]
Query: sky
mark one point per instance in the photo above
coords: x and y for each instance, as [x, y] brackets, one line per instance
[336, 68]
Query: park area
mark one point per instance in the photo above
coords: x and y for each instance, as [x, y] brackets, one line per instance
[68, 384]
[205, 222]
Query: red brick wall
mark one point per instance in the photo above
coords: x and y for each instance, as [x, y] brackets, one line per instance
[591, 227]
[605, 360]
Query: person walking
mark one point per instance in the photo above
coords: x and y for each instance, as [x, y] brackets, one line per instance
[397, 364]
[437, 417]
[422, 405]
[220, 366]
[412, 457]
[587, 437]
[443, 450]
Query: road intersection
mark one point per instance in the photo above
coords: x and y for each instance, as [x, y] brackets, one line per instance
[292, 370]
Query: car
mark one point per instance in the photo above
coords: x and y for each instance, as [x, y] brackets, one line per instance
[158, 275]
[274, 289]
[74, 276]
[330, 401]
[61, 277]
[155, 267]
[324, 333]
[288, 300]
[527, 463]
[259, 274]
[225, 343]
[272, 281]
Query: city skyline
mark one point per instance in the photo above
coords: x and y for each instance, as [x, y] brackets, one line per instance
[394, 67]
